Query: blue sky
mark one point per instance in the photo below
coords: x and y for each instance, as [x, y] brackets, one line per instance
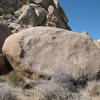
[83, 15]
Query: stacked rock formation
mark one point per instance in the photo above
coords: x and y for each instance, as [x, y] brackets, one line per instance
[21, 14]
[44, 60]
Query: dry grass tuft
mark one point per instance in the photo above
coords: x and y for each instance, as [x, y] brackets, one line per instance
[93, 88]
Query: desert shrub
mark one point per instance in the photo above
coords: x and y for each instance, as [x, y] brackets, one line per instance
[81, 82]
[15, 80]
[59, 76]
[2, 80]
[93, 88]
[51, 91]
[6, 93]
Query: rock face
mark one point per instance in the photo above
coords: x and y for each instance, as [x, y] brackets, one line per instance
[43, 49]
[21, 14]
[4, 33]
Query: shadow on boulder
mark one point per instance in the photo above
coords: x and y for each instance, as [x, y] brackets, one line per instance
[5, 67]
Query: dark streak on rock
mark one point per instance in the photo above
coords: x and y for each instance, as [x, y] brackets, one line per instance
[53, 38]
[22, 53]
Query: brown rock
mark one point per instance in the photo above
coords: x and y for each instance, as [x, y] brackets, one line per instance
[4, 65]
[4, 33]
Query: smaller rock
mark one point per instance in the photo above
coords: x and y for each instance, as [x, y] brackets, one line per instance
[9, 16]
[4, 65]
[4, 33]
[28, 17]
[41, 13]
[19, 11]
[53, 18]
[32, 15]
[56, 3]
[14, 26]
[44, 3]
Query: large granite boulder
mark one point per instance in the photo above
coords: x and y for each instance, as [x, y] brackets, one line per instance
[4, 33]
[43, 50]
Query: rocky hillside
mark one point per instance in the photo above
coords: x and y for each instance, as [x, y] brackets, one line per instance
[41, 58]
[22, 14]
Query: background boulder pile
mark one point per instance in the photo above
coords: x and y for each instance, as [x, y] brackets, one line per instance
[21, 14]
[45, 60]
